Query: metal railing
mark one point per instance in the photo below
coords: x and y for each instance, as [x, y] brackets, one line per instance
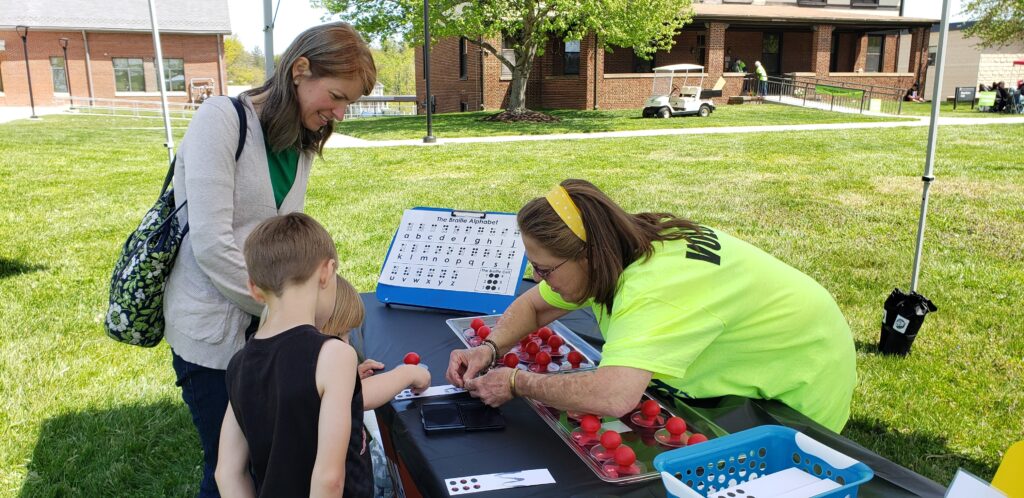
[833, 95]
[127, 108]
[369, 106]
[375, 106]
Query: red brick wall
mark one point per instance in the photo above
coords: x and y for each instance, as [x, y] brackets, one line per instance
[450, 91]
[549, 88]
[796, 52]
[200, 53]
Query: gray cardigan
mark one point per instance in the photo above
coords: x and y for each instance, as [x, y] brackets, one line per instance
[207, 305]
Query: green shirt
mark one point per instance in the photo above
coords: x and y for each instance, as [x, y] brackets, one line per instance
[762, 75]
[719, 317]
[283, 166]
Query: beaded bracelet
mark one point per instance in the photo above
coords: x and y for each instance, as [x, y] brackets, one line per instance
[494, 351]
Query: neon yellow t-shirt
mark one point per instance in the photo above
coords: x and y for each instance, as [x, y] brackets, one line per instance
[719, 316]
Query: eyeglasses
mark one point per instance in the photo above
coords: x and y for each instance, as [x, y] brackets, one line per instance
[543, 274]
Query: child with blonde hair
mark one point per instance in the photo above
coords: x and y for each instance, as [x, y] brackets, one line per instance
[348, 313]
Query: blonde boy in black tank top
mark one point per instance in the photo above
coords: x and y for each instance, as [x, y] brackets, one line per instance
[295, 407]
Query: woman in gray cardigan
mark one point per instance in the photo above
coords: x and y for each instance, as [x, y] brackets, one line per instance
[207, 306]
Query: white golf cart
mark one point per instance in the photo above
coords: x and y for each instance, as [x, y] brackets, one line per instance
[674, 94]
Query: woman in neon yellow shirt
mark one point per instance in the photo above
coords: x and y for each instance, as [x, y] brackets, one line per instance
[689, 305]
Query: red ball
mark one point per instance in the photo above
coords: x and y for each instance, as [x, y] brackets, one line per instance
[590, 424]
[575, 358]
[675, 426]
[510, 360]
[411, 359]
[524, 342]
[650, 408]
[624, 456]
[555, 342]
[543, 358]
[544, 333]
[483, 332]
[697, 438]
[476, 323]
[532, 348]
[611, 440]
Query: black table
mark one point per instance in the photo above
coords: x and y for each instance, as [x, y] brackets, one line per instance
[527, 442]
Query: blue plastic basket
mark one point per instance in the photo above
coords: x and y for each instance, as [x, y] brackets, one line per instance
[712, 466]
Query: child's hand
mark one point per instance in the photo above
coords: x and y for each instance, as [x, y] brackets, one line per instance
[420, 379]
[367, 368]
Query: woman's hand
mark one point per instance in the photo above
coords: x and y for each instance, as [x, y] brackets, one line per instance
[464, 364]
[367, 367]
[492, 388]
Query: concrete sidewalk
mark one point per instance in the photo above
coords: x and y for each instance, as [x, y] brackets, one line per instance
[338, 141]
[14, 113]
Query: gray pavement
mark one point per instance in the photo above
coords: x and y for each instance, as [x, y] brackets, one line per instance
[14, 113]
[339, 141]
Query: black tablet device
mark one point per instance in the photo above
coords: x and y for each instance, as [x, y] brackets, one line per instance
[446, 416]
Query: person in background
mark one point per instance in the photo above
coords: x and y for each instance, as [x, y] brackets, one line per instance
[762, 79]
[207, 307]
[912, 94]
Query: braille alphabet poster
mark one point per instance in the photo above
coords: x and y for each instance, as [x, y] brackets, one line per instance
[445, 250]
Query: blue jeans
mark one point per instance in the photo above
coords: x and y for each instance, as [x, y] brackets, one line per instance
[206, 394]
[762, 88]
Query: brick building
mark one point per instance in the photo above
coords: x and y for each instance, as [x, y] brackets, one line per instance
[110, 51]
[856, 41]
[970, 64]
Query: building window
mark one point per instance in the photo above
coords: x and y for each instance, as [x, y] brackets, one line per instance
[463, 58]
[571, 63]
[931, 57]
[59, 75]
[128, 75]
[643, 65]
[864, 3]
[876, 46]
[812, 3]
[509, 53]
[174, 74]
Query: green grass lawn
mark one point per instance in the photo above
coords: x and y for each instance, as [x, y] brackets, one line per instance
[946, 109]
[84, 416]
[468, 124]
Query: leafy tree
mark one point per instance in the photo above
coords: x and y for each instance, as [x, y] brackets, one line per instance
[243, 68]
[395, 68]
[525, 25]
[997, 22]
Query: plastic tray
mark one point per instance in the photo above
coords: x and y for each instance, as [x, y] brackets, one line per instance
[461, 328]
[708, 468]
[643, 440]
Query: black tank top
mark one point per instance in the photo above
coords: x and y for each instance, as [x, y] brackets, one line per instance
[272, 387]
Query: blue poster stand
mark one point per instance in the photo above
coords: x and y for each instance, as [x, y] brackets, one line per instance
[490, 303]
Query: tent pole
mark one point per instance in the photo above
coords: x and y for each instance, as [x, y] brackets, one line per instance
[169, 143]
[940, 59]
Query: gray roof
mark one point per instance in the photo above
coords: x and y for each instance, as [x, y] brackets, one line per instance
[173, 16]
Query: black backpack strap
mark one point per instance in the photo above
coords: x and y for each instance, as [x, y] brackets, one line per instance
[243, 126]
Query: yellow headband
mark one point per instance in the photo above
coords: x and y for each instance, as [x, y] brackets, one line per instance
[567, 211]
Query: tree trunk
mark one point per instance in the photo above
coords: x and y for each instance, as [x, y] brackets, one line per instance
[517, 91]
[520, 77]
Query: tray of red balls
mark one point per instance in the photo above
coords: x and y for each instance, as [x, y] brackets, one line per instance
[550, 349]
[619, 450]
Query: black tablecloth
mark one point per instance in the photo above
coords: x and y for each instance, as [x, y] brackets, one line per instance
[528, 443]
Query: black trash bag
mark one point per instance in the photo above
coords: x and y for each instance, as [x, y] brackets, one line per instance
[903, 317]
